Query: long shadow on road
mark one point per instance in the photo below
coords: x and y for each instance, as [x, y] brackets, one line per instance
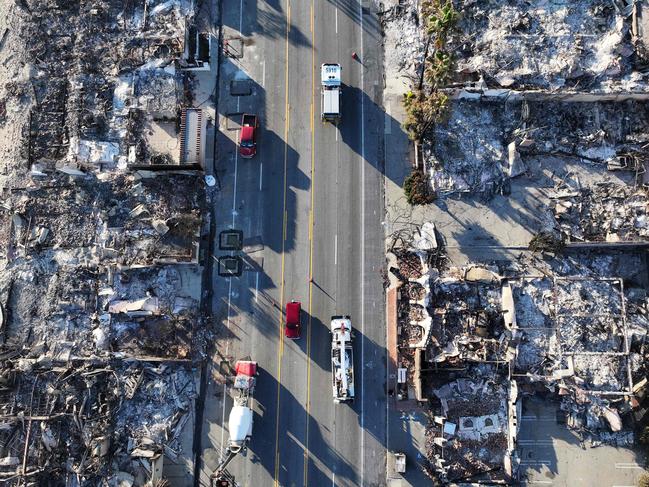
[265, 19]
[376, 120]
[290, 442]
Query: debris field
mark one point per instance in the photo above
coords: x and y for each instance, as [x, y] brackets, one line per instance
[101, 217]
[545, 128]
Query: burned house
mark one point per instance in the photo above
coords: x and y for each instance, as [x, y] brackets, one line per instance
[581, 45]
[100, 224]
[482, 339]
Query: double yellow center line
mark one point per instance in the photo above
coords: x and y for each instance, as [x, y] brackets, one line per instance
[311, 240]
[280, 351]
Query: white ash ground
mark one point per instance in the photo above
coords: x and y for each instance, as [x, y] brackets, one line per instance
[404, 42]
[99, 321]
[548, 44]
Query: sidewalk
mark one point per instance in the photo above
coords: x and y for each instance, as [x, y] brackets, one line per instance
[406, 421]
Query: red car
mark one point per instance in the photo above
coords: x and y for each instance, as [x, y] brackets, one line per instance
[248, 136]
[293, 326]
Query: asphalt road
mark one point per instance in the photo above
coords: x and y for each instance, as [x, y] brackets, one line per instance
[310, 206]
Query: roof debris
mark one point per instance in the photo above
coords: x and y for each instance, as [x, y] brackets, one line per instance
[99, 263]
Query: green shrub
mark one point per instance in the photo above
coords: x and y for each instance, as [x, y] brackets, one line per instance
[417, 190]
[423, 111]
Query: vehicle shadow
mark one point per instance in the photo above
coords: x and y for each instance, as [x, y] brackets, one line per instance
[290, 440]
[370, 391]
[371, 119]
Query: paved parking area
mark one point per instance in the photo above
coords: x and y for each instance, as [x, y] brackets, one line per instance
[552, 455]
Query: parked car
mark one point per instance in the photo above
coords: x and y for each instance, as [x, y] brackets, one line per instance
[293, 324]
[248, 136]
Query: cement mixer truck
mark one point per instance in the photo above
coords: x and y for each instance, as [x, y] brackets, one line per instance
[240, 419]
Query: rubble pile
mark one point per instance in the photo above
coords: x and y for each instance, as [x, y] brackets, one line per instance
[413, 319]
[466, 153]
[89, 89]
[603, 212]
[99, 261]
[468, 323]
[578, 45]
[553, 147]
[416, 259]
[566, 334]
[596, 131]
[482, 145]
[405, 47]
[573, 338]
[469, 436]
[83, 424]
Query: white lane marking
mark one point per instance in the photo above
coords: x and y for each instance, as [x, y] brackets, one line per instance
[628, 465]
[539, 482]
[535, 462]
[336, 249]
[240, 16]
[336, 134]
[234, 197]
[360, 8]
[234, 214]
[333, 480]
[336, 14]
[223, 422]
[257, 287]
[263, 73]
[261, 173]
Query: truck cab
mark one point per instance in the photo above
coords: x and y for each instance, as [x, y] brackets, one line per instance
[248, 136]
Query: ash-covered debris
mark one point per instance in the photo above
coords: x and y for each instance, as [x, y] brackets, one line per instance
[579, 45]
[84, 424]
[99, 266]
[132, 218]
[469, 435]
[417, 259]
[468, 151]
[469, 323]
[481, 145]
[603, 212]
[405, 38]
[583, 165]
[95, 67]
[502, 331]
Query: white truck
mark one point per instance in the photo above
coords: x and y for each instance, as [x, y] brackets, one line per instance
[342, 359]
[240, 419]
[331, 79]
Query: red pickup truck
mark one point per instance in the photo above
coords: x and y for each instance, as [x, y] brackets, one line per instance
[248, 136]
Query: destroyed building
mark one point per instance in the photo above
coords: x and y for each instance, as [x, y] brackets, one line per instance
[101, 217]
[474, 342]
[583, 163]
[536, 288]
[581, 45]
